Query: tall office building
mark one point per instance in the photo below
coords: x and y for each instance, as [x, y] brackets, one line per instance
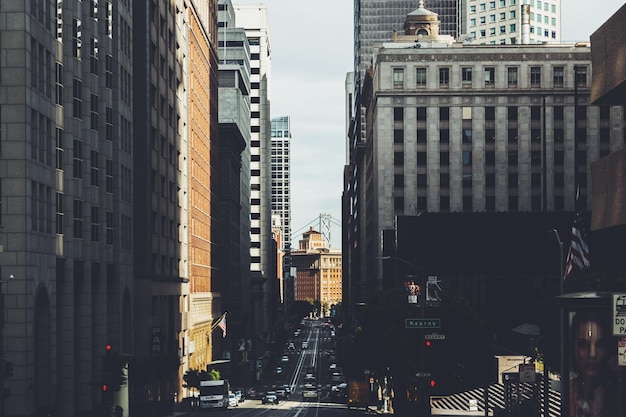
[254, 19]
[281, 181]
[234, 122]
[65, 200]
[375, 21]
[500, 22]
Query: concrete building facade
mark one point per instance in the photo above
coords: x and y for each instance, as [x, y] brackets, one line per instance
[254, 19]
[66, 153]
[234, 122]
[459, 128]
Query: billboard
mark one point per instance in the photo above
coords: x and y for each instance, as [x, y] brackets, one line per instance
[595, 386]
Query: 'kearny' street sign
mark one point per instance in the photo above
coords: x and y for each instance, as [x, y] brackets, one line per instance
[422, 323]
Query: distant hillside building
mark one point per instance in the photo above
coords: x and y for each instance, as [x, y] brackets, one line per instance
[318, 271]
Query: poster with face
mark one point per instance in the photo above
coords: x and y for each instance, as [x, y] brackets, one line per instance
[595, 389]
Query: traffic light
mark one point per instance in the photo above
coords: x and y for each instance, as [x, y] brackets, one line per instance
[432, 383]
[428, 343]
[8, 369]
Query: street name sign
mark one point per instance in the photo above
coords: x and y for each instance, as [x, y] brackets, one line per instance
[422, 323]
[434, 336]
[619, 314]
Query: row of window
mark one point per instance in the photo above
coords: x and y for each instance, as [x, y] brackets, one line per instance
[489, 76]
[42, 221]
[548, 7]
[512, 203]
[492, 18]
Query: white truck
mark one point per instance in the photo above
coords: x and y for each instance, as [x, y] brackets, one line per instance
[214, 394]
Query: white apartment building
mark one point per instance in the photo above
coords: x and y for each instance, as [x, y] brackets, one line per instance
[510, 22]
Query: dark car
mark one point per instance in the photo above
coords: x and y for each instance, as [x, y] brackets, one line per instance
[270, 397]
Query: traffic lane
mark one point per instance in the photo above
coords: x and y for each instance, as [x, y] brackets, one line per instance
[287, 408]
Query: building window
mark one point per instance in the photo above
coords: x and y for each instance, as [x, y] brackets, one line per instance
[78, 98]
[398, 78]
[108, 172]
[444, 77]
[78, 158]
[95, 224]
[398, 136]
[78, 219]
[95, 168]
[109, 227]
[95, 115]
[535, 76]
[490, 74]
[466, 75]
[420, 77]
[558, 76]
[59, 213]
[59, 149]
[398, 114]
[580, 73]
[77, 42]
[512, 76]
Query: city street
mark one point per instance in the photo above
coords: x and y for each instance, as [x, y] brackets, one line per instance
[307, 363]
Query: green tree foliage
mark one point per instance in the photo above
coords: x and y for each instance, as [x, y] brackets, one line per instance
[193, 377]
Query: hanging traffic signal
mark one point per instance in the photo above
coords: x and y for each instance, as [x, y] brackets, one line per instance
[428, 343]
[432, 383]
[104, 387]
[108, 348]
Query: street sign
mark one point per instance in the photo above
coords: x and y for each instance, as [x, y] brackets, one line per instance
[422, 374]
[526, 372]
[619, 314]
[434, 336]
[422, 323]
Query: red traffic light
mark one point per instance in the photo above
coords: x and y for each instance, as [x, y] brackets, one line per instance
[108, 347]
[104, 387]
[428, 343]
[432, 383]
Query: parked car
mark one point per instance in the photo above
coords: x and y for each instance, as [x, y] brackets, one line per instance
[232, 400]
[270, 397]
[240, 396]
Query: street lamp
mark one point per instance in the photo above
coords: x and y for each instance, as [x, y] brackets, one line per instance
[563, 324]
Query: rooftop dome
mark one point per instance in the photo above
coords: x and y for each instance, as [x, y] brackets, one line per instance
[421, 11]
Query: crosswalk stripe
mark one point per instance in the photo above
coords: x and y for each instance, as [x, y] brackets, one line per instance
[460, 401]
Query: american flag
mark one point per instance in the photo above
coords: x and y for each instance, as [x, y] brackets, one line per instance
[578, 255]
[222, 325]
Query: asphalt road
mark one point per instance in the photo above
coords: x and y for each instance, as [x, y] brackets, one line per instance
[317, 357]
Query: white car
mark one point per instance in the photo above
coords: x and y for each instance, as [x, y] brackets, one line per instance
[233, 401]
[305, 344]
[284, 359]
[269, 398]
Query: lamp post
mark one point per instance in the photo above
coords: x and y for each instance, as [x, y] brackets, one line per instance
[563, 365]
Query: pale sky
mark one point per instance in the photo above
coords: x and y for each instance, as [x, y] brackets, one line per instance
[312, 51]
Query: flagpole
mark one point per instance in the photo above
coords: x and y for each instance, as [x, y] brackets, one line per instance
[563, 363]
[217, 321]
